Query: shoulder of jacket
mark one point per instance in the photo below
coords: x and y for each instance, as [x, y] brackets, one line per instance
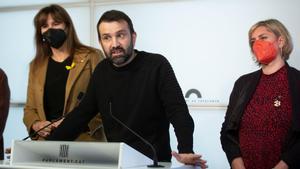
[1, 71]
[249, 76]
[38, 67]
[89, 52]
[294, 70]
[2, 75]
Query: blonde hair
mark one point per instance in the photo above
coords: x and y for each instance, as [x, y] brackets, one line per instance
[279, 30]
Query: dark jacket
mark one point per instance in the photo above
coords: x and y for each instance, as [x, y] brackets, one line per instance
[241, 94]
[4, 106]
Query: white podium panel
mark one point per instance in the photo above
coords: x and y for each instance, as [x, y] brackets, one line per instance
[76, 155]
[5, 165]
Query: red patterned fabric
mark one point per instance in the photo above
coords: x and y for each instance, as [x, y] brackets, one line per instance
[266, 121]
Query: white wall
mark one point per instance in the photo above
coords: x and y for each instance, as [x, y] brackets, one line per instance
[205, 41]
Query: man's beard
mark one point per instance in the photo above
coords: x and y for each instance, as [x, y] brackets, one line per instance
[119, 60]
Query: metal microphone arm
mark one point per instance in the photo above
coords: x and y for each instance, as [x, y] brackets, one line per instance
[36, 132]
[155, 160]
[79, 98]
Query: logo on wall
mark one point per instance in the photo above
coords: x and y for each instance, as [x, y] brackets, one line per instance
[194, 97]
[193, 91]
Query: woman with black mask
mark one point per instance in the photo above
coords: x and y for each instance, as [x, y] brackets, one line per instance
[59, 75]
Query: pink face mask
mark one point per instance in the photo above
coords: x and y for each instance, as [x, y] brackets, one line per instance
[264, 51]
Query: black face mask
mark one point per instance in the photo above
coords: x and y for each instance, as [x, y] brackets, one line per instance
[54, 37]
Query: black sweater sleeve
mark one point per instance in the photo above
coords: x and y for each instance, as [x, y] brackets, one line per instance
[176, 108]
[78, 118]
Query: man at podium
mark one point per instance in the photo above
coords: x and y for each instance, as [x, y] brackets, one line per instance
[136, 93]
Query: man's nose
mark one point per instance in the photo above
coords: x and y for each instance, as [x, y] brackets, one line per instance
[115, 42]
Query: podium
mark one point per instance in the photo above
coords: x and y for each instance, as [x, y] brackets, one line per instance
[64, 154]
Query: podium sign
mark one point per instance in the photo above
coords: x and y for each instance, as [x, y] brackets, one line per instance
[76, 154]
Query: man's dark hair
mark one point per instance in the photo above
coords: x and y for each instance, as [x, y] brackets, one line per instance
[114, 15]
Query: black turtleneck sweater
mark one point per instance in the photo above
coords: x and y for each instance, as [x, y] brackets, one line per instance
[145, 96]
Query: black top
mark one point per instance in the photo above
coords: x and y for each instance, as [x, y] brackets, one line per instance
[55, 87]
[144, 95]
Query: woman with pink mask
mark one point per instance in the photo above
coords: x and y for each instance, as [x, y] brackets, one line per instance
[262, 123]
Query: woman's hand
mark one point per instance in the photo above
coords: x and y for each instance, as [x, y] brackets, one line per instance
[281, 165]
[238, 163]
[39, 125]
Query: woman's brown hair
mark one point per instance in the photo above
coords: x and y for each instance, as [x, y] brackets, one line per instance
[60, 15]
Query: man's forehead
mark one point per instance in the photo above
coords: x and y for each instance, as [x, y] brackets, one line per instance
[113, 26]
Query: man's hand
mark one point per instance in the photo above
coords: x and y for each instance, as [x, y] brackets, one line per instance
[190, 159]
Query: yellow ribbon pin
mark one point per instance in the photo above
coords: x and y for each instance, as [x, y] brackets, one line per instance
[70, 67]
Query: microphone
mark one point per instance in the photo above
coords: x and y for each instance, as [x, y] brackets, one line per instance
[155, 160]
[79, 98]
[34, 133]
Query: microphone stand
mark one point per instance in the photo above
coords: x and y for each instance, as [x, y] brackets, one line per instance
[155, 160]
[79, 98]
